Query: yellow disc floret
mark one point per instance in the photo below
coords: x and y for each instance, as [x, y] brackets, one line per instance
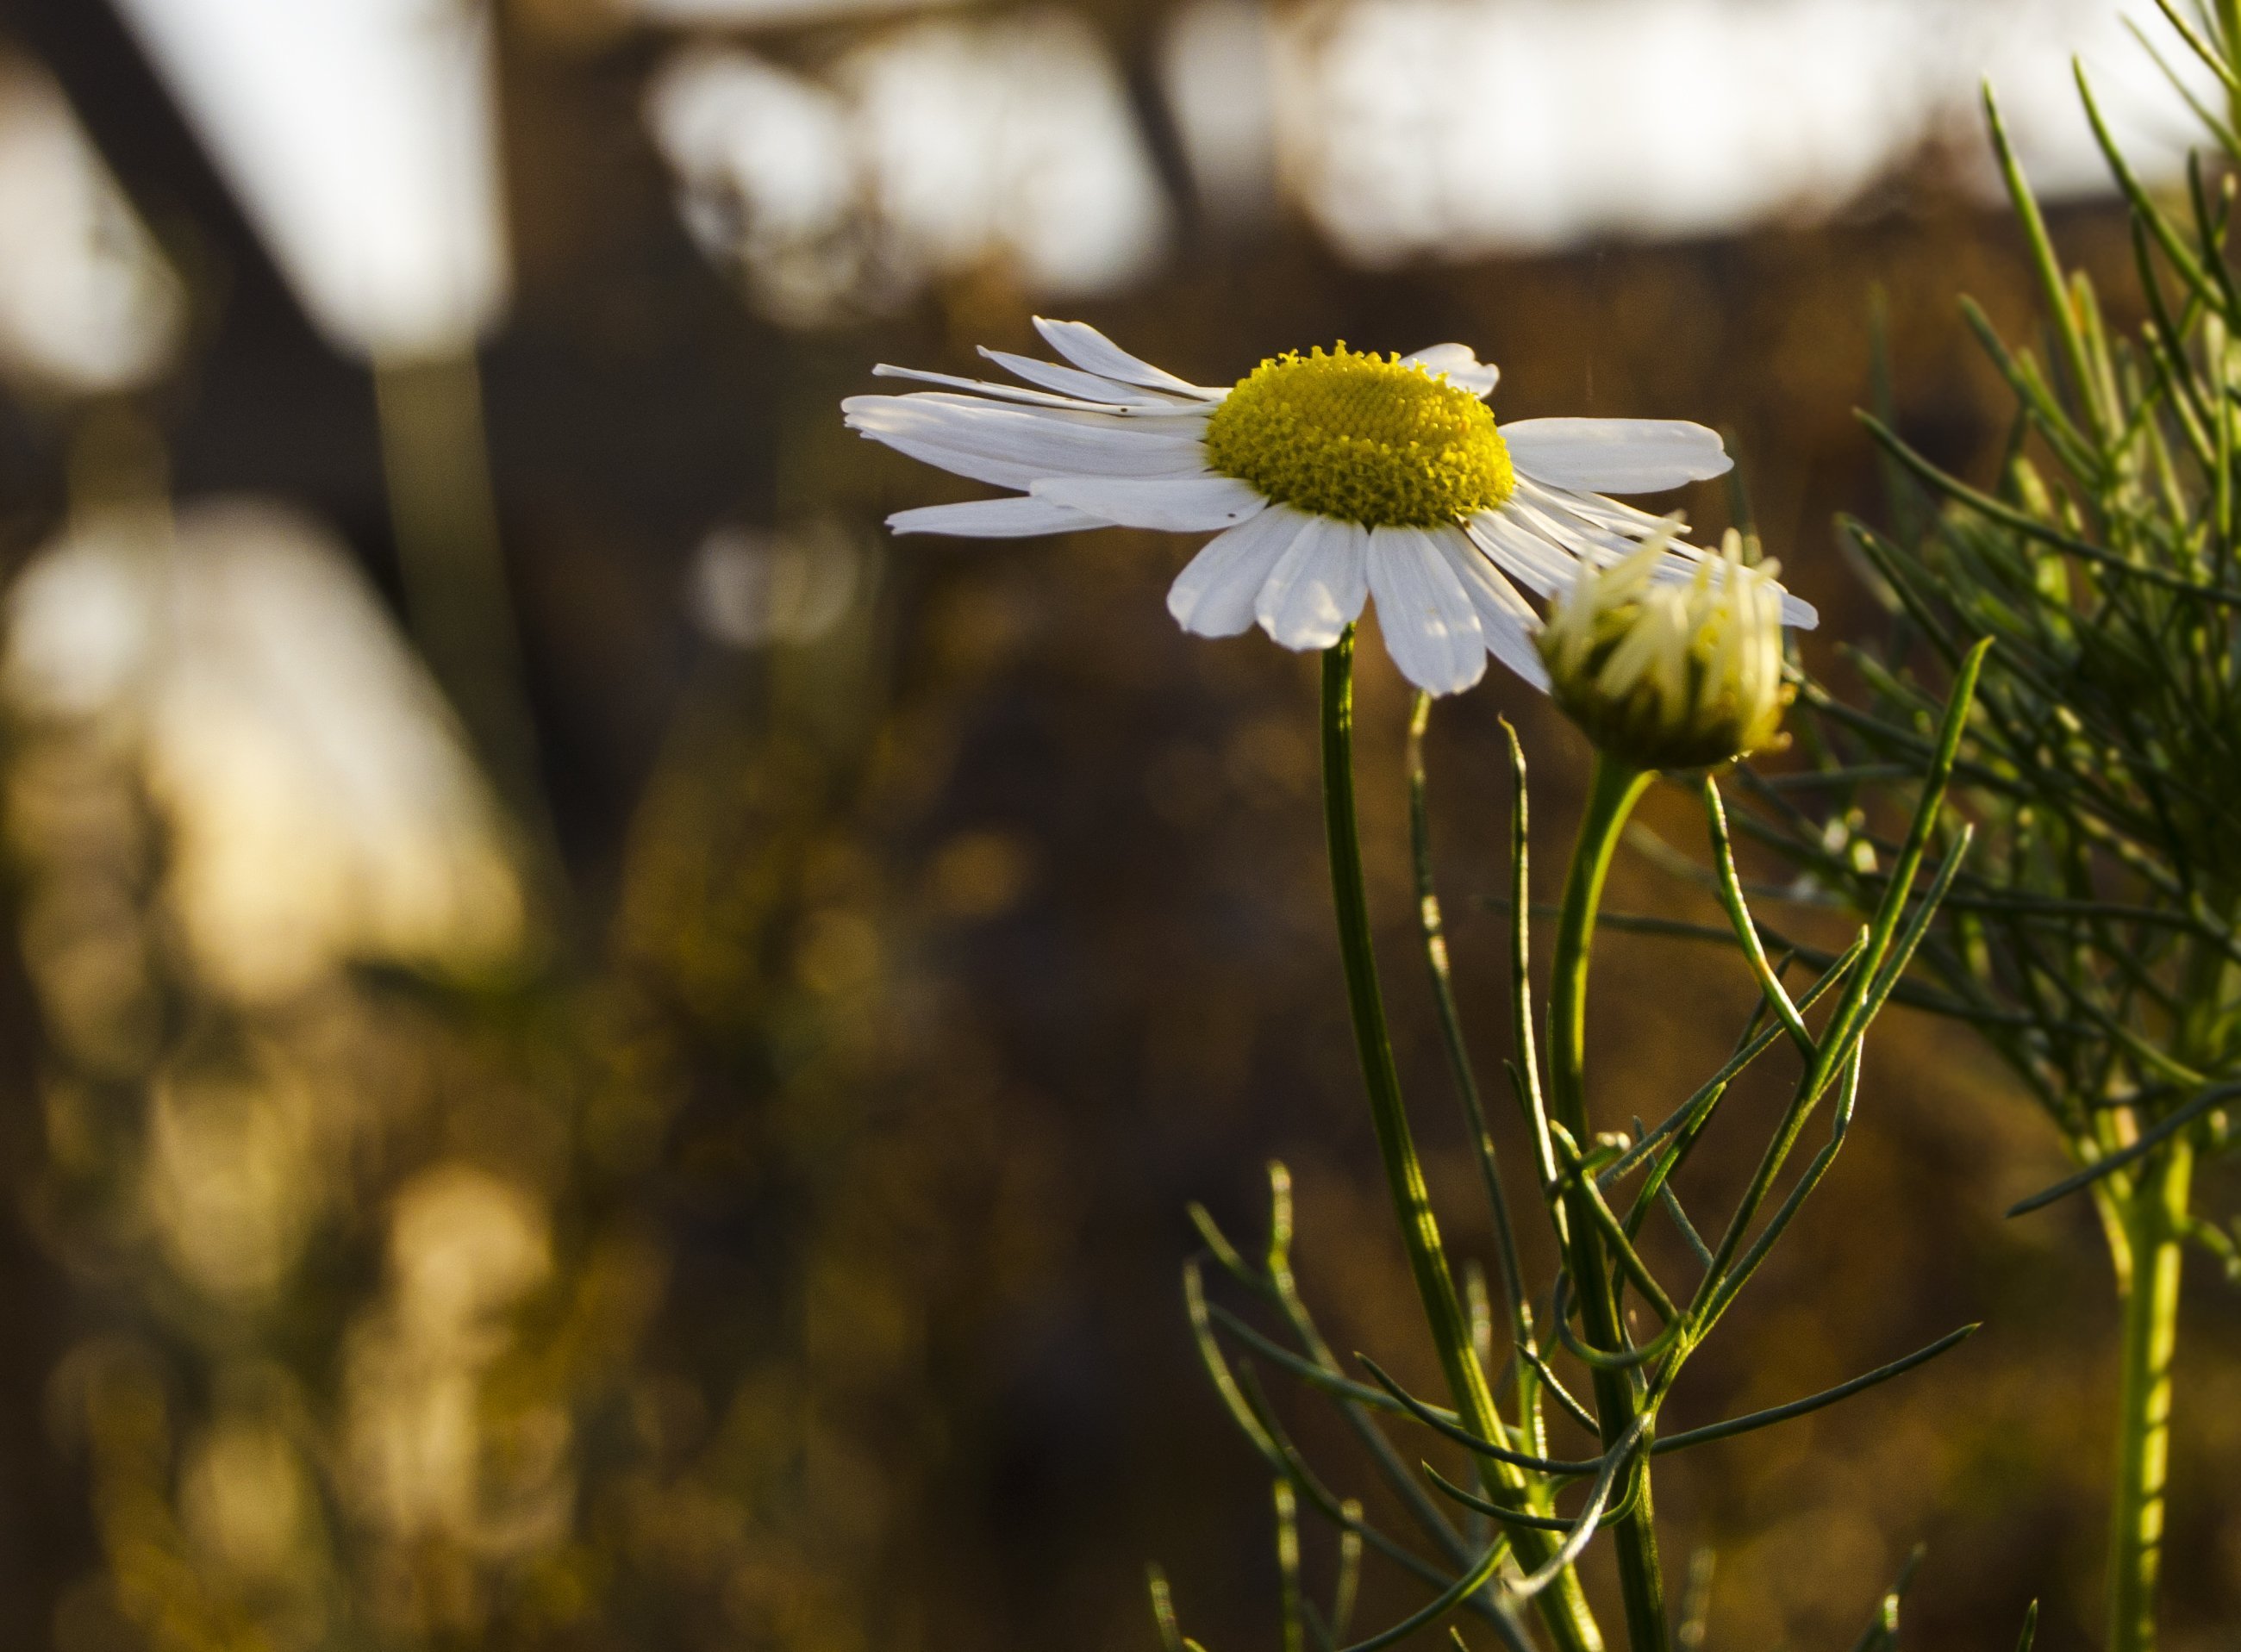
[1364, 437]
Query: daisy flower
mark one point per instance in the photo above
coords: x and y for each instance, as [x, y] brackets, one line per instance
[1326, 479]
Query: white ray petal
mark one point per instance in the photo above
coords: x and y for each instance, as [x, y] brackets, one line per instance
[1045, 397]
[995, 472]
[1545, 550]
[1461, 366]
[1179, 423]
[1046, 441]
[1615, 455]
[1583, 520]
[1541, 565]
[1680, 563]
[1506, 620]
[1431, 628]
[1002, 392]
[1614, 514]
[1318, 586]
[1179, 505]
[1020, 517]
[1072, 381]
[1090, 350]
[1581, 540]
[1215, 595]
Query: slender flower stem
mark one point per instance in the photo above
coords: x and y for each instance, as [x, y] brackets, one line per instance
[1612, 791]
[1563, 1606]
[2154, 1218]
[1432, 931]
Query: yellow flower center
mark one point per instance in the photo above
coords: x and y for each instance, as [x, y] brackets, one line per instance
[1363, 438]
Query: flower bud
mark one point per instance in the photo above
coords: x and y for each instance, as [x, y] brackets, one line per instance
[1668, 672]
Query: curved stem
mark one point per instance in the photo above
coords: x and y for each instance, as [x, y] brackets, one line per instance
[1612, 791]
[2154, 1219]
[1564, 1607]
[1431, 930]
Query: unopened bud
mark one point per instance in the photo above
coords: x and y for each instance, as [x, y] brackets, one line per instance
[1668, 670]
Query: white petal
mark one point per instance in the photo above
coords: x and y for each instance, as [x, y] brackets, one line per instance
[996, 473]
[1044, 441]
[1681, 562]
[1092, 351]
[1018, 518]
[1178, 504]
[1615, 455]
[1461, 366]
[1318, 586]
[1544, 567]
[1095, 387]
[1087, 416]
[1613, 514]
[1003, 392]
[1431, 628]
[987, 387]
[1536, 538]
[1215, 595]
[1506, 620]
[1597, 531]
[1582, 541]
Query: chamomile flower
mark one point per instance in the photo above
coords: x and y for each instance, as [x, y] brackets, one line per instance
[1672, 674]
[1326, 479]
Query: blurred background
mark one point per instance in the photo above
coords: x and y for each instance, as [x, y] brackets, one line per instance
[596, 1056]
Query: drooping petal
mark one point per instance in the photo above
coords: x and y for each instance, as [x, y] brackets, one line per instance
[1542, 513]
[1183, 504]
[1681, 562]
[1615, 455]
[935, 403]
[1506, 620]
[1545, 537]
[1095, 387]
[1090, 350]
[1460, 365]
[1020, 517]
[1215, 595]
[985, 387]
[1148, 407]
[1044, 441]
[996, 473]
[1431, 627]
[1318, 586]
[1541, 565]
[1615, 515]
[1538, 537]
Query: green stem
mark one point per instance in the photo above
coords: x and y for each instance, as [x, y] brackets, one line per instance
[2229, 28]
[1432, 930]
[2154, 1216]
[1612, 790]
[2150, 1216]
[1563, 1606]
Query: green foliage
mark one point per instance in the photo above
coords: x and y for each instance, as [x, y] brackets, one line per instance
[2092, 942]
